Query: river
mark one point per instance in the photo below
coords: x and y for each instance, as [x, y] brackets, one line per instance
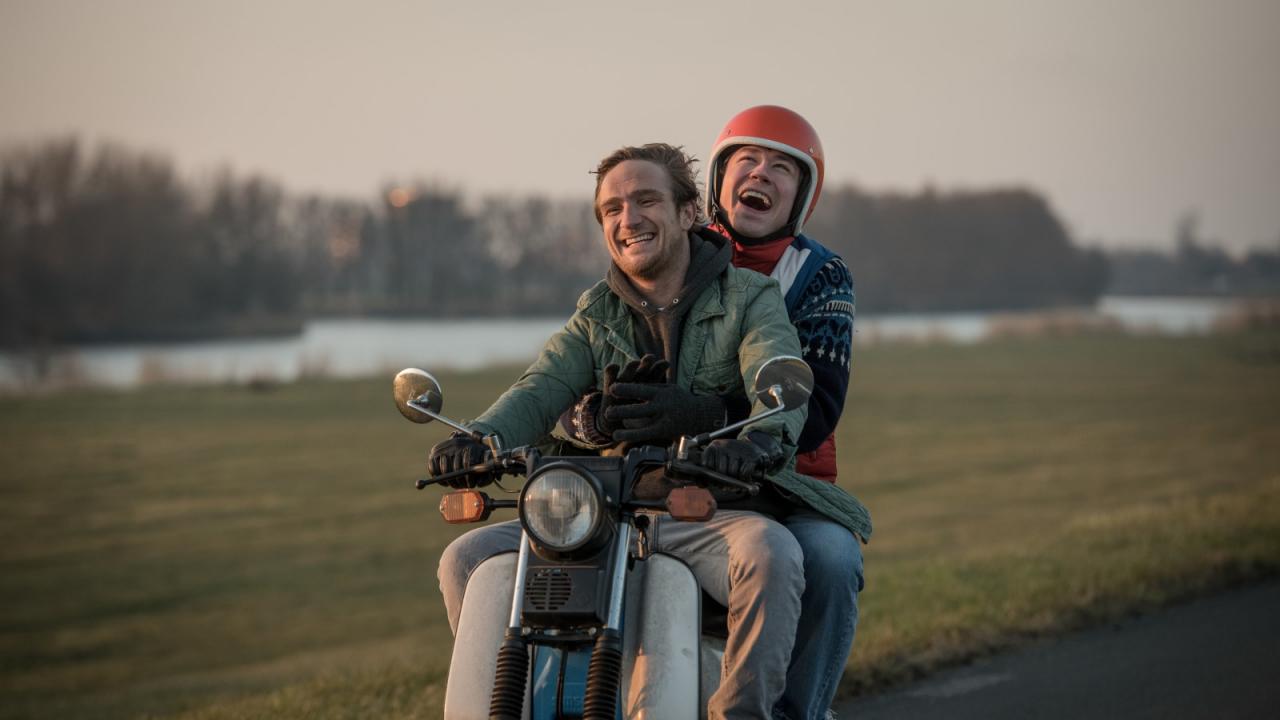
[363, 347]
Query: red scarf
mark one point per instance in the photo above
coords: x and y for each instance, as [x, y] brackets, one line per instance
[761, 258]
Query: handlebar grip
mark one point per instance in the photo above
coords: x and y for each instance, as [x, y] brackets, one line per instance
[750, 487]
[758, 474]
[694, 467]
[487, 467]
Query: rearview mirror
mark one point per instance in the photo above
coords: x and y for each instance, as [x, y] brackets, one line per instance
[782, 384]
[417, 390]
[419, 398]
[785, 381]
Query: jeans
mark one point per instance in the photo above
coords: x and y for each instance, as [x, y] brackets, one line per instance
[828, 614]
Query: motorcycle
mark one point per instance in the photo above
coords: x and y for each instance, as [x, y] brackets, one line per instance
[584, 621]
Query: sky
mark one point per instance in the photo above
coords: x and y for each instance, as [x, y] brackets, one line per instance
[1126, 114]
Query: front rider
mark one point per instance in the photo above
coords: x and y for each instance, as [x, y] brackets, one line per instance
[670, 292]
[765, 176]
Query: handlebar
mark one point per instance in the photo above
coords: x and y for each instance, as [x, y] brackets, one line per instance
[442, 479]
[517, 461]
[507, 462]
[693, 468]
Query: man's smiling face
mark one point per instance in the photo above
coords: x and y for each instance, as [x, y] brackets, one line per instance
[758, 190]
[643, 229]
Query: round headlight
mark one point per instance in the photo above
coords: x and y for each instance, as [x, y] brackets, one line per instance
[561, 508]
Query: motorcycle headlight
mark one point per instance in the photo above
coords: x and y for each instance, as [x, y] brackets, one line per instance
[562, 509]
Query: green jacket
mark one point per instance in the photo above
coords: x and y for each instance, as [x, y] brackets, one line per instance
[734, 326]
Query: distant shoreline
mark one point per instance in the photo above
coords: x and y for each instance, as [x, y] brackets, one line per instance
[360, 346]
[293, 325]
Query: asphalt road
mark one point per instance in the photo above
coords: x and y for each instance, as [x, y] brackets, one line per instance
[1216, 658]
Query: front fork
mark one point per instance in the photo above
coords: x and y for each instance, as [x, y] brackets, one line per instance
[507, 700]
[604, 672]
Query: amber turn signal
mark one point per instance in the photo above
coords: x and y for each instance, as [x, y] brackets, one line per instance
[691, 503]
[465, 506]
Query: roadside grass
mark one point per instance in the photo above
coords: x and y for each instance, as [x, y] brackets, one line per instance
[230, 553]
[1029, 487]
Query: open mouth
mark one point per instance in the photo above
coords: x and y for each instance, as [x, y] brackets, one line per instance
[643, 237]
[755, 200]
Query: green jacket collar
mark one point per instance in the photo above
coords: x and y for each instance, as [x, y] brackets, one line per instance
[601, 305]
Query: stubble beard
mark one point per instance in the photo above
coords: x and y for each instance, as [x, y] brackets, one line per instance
[649, 268]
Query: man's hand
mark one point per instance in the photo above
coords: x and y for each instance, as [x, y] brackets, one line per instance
[648, 369]
[662, 412]
[744, 459]
[458, 452]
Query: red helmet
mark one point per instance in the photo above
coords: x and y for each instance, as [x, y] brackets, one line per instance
[776, 128]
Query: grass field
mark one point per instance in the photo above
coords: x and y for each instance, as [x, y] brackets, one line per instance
[228, 553]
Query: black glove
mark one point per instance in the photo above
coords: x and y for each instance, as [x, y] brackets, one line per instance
[662, 412]
[458, 452]
[744, 459]
[648, 369]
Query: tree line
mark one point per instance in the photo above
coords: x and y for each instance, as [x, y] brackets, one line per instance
[964, 250]
[1196, 267]
[111, 244]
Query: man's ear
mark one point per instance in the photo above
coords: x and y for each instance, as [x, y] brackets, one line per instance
[687, 214]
